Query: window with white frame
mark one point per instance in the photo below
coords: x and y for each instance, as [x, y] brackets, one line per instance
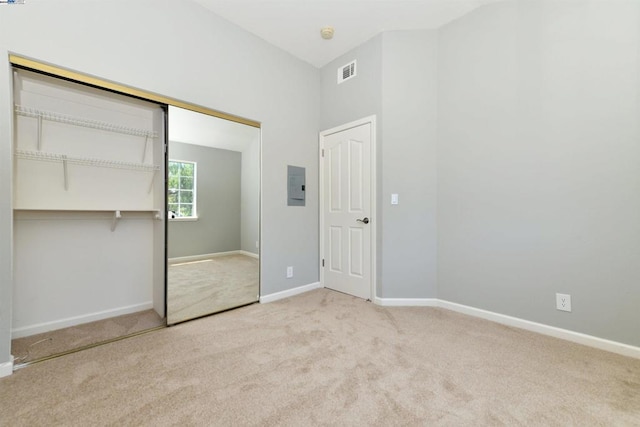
[181, 193]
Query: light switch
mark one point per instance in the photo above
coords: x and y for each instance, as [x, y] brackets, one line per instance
[394, 199]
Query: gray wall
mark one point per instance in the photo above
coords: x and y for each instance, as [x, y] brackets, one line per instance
[128, 41]
[218, 202]
[358, 97]
[539, 163]
[409, 105]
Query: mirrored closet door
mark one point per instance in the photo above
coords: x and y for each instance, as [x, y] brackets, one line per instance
[213, 203]
[119, 227]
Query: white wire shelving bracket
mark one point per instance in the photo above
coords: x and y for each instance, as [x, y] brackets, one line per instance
[117, 216]
[77, 121]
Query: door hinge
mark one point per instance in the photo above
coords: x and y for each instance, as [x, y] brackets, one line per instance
[323, 152]
[323, 262]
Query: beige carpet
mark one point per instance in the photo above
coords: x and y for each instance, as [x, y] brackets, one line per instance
[324, 358]
[39, 346]
[199, 288]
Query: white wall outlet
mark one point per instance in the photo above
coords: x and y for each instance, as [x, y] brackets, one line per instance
[563, 302]
[394, 199]
[289, 272]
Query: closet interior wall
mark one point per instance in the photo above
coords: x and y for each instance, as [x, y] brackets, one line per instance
[89, 202]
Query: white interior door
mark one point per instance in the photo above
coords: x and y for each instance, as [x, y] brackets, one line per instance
[347, 204]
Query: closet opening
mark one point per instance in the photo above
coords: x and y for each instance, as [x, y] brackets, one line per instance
[90, 203]
[88, 216]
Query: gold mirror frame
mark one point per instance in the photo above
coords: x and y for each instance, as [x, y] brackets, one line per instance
[29, 64]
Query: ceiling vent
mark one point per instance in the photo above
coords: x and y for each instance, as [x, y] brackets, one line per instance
[347, 72]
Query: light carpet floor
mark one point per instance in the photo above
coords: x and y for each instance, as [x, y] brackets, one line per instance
[199, 288]
[39, 346]
[324, 358]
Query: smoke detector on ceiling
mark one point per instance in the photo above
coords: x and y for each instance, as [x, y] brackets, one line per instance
[327, 33]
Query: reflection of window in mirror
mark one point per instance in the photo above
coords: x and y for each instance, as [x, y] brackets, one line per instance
[181, 192]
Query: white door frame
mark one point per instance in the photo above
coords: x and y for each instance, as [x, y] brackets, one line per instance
[372, 214]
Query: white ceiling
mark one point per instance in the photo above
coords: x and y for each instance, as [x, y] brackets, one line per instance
[199, 129]
[294, 25]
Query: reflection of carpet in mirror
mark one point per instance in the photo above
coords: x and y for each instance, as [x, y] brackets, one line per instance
[207, 286]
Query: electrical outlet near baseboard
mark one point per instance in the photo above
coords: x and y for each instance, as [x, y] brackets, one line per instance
[563, 302]
[289, 272]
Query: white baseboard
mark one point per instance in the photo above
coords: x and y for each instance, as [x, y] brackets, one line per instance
[576, 337]
[6, 368]
[201, 257]
[39, 328]
[251, 254]
[406, 302]
[565, 334]
[289, 292]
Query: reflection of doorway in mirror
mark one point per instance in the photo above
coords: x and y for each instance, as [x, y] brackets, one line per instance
[213, 201]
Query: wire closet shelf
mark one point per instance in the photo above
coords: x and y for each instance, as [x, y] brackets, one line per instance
[61, 158]
[76, 121]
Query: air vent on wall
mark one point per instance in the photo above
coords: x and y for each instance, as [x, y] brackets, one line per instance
[347, 72]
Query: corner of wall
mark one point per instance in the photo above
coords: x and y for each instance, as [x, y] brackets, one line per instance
[6, 368]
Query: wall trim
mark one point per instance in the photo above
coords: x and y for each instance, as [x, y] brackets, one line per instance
[6, 368]
[406, 302]
[289, 292]
[201, 257]
[251, 254]
[564, 334]
[39, 328]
